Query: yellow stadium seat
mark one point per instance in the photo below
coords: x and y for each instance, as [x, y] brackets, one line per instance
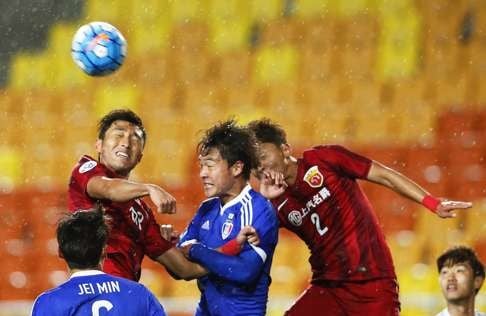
[316, 66]
[234, 68]
[189, 68]
[275, 64]
[321, 35]
[227, 10]
[264, 11]
[149, 38]
[11, 162]
[351, 8]
[312, 8]
[429, 226]
[30, 71]
[114, 12]
[229, 35]
[187, 11]
[110, 97]
[474, 226]
[398, 46]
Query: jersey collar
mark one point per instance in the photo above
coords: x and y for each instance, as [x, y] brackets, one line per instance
[86, 273]
[236, 200]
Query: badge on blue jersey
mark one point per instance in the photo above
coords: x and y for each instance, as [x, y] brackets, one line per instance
[227, 226]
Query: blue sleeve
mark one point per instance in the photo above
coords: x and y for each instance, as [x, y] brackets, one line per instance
[247, 266]
[192, 230]
[243, 268]
[39, 308]
[154, 306]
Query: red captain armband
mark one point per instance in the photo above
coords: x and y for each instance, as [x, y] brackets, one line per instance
[231, 248]
[431, 203]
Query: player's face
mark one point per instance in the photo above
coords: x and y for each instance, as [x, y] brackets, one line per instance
[121, 149]
[217, 176]
[458, 282]
[271, 157]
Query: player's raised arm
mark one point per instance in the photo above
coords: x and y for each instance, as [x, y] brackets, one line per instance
[122, 190]
[401, 184]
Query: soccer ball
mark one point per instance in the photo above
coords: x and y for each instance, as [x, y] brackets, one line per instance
[98, 48]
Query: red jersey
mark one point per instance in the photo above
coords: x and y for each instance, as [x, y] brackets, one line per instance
[328, 211]
[134, 231]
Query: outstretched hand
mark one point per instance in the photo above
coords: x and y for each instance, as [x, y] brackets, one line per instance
[248, 233]
[272, 184]
[446, 208]
[164, 202]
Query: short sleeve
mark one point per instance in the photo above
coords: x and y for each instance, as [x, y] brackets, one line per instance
[85, 170]
[343, 161]
[155, 244]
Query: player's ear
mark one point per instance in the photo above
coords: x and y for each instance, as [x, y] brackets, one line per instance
[98, 144]
[286, 150]
[237, 168]
[139, 157]
[478, 282]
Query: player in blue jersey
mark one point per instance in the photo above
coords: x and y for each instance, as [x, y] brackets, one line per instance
[235, 285]
[82, 238]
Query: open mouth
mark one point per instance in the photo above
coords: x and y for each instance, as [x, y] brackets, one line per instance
[451, 287]
[121, 154]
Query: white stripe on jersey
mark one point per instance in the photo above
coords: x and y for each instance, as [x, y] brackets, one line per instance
[247, 219]
[260, 252]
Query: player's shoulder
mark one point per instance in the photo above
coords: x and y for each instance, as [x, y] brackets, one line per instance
[49, 297]
[208, 204]
[260, 204]
[85, 163]
[256, 197]
[329, 148]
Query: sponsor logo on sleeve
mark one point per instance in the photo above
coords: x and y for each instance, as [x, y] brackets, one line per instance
[314, 177]
[87, 166]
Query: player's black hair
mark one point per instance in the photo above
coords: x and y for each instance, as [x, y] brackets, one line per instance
[120, 115]
[461, 254]
[234, 143]
[82, 236]
[266, 131]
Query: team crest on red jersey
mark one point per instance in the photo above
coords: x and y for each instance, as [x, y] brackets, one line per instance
[314, 177]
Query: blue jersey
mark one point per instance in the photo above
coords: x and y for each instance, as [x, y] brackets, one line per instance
[235, 285]
[94, 293]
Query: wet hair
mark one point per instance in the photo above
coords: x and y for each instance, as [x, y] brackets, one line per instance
[461, 254]
[82, 236]
[234, 143]
[266, 131]
[120, 115]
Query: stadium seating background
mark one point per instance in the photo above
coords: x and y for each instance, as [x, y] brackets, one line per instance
[402, 82]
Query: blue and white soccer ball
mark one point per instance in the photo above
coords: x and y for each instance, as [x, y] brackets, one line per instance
[98, 48]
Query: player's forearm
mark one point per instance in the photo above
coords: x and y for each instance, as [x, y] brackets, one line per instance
[117, 190]
[241, 269]
[179, 267]
[397, 182]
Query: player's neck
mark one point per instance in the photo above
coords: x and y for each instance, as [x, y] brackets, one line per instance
[291, 171]
[72, 271]
[464, 308]
[235, 190]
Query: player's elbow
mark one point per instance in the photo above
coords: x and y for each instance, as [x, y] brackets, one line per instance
[247, 275]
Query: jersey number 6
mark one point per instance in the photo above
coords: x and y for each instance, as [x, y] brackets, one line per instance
[316, 221]
[98, 305]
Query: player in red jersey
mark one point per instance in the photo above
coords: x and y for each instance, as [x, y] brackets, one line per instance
[318, 198]
[134, 230]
